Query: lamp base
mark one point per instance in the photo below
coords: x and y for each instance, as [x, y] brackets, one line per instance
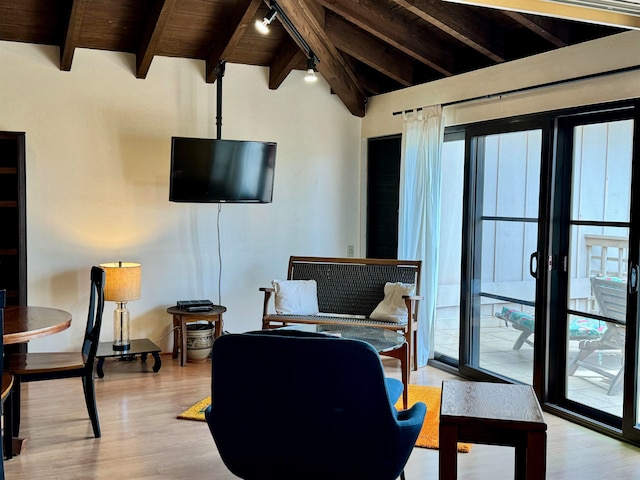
[121, 328]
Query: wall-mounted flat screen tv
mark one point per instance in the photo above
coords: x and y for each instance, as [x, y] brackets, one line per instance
[221, 171]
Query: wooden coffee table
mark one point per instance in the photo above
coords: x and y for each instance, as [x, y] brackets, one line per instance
[492, 414]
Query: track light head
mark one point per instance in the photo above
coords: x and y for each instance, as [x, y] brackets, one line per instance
[263, 25]
[310, 76]
[311, 68]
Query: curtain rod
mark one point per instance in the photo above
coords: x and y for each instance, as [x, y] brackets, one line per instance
[534, 87]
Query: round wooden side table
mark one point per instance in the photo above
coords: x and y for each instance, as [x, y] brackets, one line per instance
[180, 319]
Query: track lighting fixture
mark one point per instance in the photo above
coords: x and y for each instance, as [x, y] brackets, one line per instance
[311, 68]
[263, 25]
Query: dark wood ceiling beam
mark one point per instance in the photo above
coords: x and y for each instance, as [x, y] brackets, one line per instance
[317, 11]
[151, 36]
[71, 35]
[462, 24]
[406, 37]
[244, 15]
[541, 26]
[332, 65]
[367, 82]
[285, 61]
[370, 51]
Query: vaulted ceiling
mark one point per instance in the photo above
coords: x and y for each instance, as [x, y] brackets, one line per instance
[364, 47]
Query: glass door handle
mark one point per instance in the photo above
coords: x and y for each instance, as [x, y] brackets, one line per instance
[633, 278]
[533, 265]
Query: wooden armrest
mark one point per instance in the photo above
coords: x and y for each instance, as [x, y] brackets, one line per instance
[268, 291]
[411, 301]
[413, 297]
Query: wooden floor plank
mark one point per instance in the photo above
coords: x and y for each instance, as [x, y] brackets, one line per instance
[142, 439]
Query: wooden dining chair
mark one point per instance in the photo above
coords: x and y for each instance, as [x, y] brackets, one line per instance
[29, 367]
[5, 400]
[5, 391]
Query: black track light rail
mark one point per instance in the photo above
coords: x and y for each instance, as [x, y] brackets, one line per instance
[302, 43]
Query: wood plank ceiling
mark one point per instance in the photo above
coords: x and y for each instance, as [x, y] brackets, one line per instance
[364, 47]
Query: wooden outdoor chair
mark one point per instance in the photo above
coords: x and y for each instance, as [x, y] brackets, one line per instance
[611, 296]
[579, 328]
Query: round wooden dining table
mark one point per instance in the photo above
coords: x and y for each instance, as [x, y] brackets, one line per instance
[24, 323]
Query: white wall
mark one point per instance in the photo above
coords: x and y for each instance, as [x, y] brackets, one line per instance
[97, 167]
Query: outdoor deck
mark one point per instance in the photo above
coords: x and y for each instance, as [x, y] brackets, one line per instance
[497, 355]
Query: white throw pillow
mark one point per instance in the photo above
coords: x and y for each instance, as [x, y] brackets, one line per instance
[296, 297]
[393, 308]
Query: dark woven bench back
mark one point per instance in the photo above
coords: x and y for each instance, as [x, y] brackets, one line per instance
[347, 288]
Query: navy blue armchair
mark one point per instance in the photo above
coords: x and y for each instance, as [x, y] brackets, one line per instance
[306, 407]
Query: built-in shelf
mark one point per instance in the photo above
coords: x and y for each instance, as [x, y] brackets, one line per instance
[13, 242]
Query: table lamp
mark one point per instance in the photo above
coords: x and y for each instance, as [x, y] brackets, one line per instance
[122, 285]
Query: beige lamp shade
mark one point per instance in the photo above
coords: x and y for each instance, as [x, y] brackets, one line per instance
[122, 281]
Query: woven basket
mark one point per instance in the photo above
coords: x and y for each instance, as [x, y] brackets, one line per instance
[199, 341]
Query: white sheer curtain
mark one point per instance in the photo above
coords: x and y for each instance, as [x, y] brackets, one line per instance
[419, 215]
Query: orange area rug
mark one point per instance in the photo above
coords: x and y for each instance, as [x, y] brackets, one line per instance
[196, 411]
[429, 435]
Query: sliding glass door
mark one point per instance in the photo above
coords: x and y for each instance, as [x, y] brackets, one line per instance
[502, 221]
[597, 261]
[549, 271]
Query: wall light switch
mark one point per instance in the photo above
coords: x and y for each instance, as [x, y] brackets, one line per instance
[350, 250]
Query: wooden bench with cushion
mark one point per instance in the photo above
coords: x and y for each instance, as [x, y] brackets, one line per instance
[348, 291]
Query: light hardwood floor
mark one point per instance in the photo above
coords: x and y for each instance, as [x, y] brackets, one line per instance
[142, 439]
